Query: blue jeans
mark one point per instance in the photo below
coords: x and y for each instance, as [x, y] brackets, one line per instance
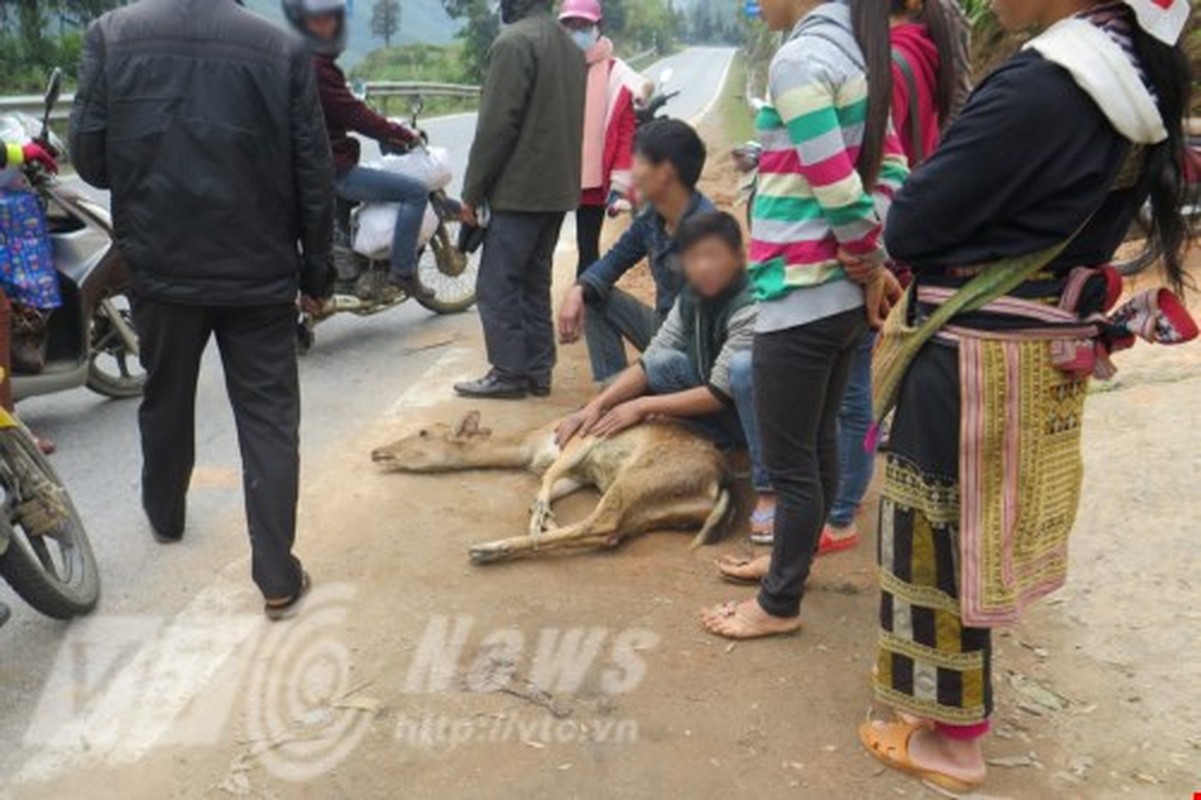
[607, 327]
[854, 421]
[672, 371]
[364, 185]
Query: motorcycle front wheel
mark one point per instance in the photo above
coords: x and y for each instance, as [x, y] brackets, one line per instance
[114, 369]
[447, 271]
[49, 560]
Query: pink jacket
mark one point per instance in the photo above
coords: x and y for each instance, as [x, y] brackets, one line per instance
[912, 42]
[620, 124]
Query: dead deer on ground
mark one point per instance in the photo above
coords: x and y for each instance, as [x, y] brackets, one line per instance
[655, 477]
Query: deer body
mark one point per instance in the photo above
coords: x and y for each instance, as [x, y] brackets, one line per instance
[657, 476]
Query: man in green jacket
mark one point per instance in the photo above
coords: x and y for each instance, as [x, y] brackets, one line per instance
[525, 171]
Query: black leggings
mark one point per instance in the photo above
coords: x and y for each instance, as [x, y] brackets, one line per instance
[589, 220]
[801, 375]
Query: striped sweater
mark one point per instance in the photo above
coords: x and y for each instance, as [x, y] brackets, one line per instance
[810, 198]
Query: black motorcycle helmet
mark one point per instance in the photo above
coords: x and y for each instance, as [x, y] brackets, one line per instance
[297, 11]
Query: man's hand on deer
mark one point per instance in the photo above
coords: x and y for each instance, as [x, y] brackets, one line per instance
[581, 423]
[622, 417]
[571, 315]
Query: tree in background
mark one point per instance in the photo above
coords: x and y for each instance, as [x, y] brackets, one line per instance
[37, 35]
[480, 28]
[385, 20]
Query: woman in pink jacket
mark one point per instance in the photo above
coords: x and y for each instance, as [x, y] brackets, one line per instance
[609, 124]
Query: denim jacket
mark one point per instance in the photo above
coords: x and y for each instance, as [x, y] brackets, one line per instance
[647, 238]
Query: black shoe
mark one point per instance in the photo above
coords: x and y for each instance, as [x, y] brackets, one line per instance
[166, 538]
[411, 286]
[5, 613]
[493, 387]
[278, 611]
[540, 388]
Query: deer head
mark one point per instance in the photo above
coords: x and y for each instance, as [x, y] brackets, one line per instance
[438, 448]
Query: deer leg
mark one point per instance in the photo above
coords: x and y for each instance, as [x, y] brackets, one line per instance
[557, 483]
[630, 507]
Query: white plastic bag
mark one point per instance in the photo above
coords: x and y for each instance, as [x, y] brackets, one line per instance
[430, 165]
[377, 224]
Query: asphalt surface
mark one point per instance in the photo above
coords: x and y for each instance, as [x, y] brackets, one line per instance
[356, 370]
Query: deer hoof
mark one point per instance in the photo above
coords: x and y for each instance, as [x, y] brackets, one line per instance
[541, 519]
[493, 553]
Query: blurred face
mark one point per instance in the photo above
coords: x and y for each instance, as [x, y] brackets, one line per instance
[654, 181]
[711, 266]
[323, 26]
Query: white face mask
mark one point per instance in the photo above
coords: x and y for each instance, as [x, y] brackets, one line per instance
[585, 38]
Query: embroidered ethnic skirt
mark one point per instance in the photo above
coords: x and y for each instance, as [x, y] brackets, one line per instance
[981, 489]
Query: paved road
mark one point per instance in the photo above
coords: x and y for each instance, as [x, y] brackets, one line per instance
[353, 375]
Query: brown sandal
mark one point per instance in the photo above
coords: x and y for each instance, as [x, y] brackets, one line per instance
[888, 742]
[286, 609]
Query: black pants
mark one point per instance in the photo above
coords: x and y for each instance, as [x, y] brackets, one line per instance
[589, 222]
[258, 352]
[513, 293]
[800, 377]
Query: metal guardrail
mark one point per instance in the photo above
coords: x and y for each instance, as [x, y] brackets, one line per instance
[384, 89]
[643, 59]
[34, 105]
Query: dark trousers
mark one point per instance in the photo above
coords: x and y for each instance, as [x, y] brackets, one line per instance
[258, 352]
[513, 294]
[589, 222]
[800, 376]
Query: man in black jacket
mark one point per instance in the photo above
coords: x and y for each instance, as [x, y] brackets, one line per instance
[203, 121]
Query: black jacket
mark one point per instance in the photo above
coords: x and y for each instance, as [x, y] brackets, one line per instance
[204, 122]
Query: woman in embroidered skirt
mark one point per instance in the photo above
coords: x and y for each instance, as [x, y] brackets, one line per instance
[1028, 196]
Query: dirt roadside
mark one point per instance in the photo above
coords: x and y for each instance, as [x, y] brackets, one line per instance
[1097, 694]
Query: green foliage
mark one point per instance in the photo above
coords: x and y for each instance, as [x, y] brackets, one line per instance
[481, 24]
[385, 20]
[38, 35]
[714, 22]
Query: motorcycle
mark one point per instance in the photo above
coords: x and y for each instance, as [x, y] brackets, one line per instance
[648, 110]
[361, 286]
[91, 341]
[1141, 250]
[45, 554]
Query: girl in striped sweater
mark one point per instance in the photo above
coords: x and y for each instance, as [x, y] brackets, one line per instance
[830, 166]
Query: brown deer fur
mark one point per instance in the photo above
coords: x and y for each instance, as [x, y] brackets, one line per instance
[657, 476]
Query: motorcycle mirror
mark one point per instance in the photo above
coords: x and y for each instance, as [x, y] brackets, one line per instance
[417, 107]
[54, 90]
[665, 76]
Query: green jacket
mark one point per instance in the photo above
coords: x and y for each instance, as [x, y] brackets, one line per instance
[529, 136]
[710, 331]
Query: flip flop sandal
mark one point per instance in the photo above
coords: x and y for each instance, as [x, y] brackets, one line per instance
[829, 545]
[889, 744]
[751, 630]
[765, 521]
[281, 611]
[725, 566]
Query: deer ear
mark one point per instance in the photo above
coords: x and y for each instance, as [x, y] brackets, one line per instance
[469, 426]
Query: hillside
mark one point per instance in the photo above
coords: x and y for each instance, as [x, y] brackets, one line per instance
[422, 21]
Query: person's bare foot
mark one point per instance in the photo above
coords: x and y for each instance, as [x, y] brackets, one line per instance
[927, 753]
[746, 620]
[763, 519]
[743, 570]
[960, 758]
